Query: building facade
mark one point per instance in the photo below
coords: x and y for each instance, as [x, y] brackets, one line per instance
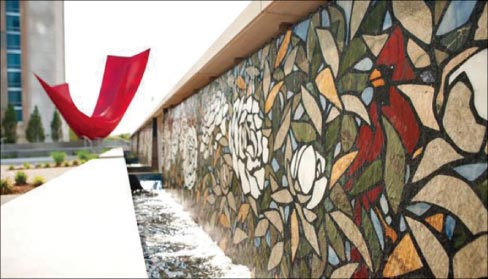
[32, 41]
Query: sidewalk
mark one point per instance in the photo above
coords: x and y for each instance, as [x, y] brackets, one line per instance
[7, 198]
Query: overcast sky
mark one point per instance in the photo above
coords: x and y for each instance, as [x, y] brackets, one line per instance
[178, 34]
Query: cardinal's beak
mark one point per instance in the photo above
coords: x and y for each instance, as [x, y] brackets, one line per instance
[376, 78]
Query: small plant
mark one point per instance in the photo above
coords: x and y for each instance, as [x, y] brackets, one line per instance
[20, 178]
[58, 157]
[5, 186]
[27, 166]
[11, 167]
[84, 155]
[75, 163]
[66, 164]
[47, 165]
[38, 166]
[38, 181]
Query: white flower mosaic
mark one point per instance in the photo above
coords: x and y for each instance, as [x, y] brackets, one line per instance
[248, 145]
[308, 168]
[215, 116]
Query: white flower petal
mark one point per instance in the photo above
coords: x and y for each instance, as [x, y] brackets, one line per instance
[294, 161]
[245, 184]
[306, 169]
[318, 192]
[265, 152]
[254, 187]
[259, 174]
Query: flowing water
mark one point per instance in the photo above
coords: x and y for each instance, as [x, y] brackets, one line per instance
[174, 245]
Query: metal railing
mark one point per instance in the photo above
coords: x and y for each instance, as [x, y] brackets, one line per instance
[44, 149]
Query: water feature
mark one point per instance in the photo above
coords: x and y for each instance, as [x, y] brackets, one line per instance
[174, 245]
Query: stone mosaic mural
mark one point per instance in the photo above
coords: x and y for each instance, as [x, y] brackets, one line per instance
[145, 145]
[353, 145]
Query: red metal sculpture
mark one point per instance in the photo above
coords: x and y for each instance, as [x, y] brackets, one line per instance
[121, 79]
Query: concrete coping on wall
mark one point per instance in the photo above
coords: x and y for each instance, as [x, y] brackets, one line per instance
[80, 224]
[258, 24]
[113, 153]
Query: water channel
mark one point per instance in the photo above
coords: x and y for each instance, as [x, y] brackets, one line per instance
[174, 246]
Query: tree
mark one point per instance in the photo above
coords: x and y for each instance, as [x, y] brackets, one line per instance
[35, 131]
[9, 124]
[56, 129]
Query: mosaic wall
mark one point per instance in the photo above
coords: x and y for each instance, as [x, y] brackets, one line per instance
[145, 145]
[133, 144]
[354, 144]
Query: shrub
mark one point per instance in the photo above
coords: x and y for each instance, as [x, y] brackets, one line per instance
[66, 164]
[11, 167]
[27, 166]
[75, 163]
[35, 131]
[84, 155]
[38, 181]
[47, 165]
[20, 178]
[5, 186]
[58, 157]
[9, 125]
[56, 129]
[38, 166]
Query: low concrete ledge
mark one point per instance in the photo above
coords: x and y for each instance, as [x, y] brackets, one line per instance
[113, 153]
[80, 224]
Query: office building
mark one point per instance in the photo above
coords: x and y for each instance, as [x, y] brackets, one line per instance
[32, 41]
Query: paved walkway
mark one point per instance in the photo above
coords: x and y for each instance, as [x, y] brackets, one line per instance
[80, 224]
[7, 198]
[47, 173]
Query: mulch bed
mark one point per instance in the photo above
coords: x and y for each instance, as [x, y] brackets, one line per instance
[20, 189]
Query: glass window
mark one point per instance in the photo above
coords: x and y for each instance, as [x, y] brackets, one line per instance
[14, 79]
[13, 41]
[12, 6]
[13, 23]
[15, 97]
[18, 112]
[13, 60]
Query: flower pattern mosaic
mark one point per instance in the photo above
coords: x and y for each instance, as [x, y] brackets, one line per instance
[353, 145]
